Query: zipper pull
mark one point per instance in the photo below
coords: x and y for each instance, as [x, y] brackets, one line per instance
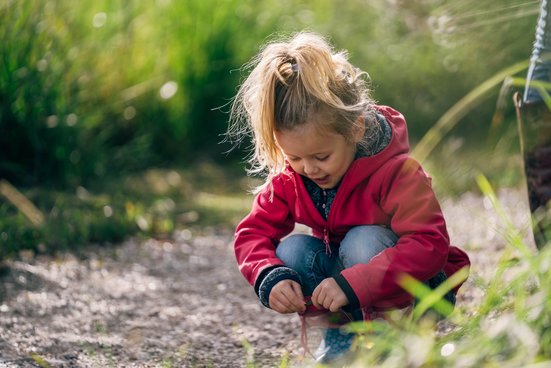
[326, 241]
[324, 203]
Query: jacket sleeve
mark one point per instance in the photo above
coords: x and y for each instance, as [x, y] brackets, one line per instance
[258, 234]
[422, 249]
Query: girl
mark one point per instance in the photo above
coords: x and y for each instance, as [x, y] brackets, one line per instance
[339, 164]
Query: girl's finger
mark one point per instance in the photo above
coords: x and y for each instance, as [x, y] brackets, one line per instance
[287, 298]
[280, 307]
[319, 299]
[298, 290]
[334, 306]
[327, 302]
[298, 298]
[293, 302]
[314, 298]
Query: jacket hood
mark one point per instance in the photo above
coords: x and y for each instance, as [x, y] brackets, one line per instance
[364, 167]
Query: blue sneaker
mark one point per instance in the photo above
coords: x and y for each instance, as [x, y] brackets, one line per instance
[334, 345]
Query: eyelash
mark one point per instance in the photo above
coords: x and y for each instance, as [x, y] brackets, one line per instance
[295, 159]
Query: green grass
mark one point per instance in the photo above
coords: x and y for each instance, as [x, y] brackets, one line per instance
[511, 327]
[454, 166]
[151, 203]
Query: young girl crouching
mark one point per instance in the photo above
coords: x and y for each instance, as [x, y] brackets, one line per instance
[337, 163]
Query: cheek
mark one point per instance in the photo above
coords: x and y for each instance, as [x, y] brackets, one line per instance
[340, 168]
[296, 166]
[341, 165]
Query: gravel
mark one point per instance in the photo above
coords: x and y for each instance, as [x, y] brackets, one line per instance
[181, 302]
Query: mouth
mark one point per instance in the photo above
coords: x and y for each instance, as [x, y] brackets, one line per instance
[321, 181]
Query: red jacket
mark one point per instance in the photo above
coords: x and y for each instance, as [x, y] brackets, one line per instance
[390, 189]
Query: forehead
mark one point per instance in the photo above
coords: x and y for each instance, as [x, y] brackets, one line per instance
[308, 139]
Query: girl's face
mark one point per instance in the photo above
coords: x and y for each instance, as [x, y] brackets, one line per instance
[323, 157]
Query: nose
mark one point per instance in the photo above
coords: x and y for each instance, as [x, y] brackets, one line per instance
[309, 168]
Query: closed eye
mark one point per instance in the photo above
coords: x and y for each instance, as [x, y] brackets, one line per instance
[322, 158]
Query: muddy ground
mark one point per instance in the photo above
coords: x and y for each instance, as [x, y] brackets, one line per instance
[181, 302]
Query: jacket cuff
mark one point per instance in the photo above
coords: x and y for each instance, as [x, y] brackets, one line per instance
[261, 277]
[271, 279]
[353, 302]
[435, 281]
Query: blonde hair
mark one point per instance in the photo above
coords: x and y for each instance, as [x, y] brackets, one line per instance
[292, 82]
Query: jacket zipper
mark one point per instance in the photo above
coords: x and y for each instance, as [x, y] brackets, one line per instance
[327, 224]
[334, 207]
[325, 227]
[326, 241]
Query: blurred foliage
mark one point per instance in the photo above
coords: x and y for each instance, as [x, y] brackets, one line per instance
[93, 87]
[151, 203]
[89, 88]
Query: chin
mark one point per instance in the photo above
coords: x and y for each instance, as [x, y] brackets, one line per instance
[327, 186]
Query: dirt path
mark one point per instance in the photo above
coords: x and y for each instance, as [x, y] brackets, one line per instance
[180, 302]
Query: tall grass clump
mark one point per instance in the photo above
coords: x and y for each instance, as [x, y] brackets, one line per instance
[511, 327]
[91, 88]
[63, 70]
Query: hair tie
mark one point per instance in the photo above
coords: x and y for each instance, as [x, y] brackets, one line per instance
[294, 67]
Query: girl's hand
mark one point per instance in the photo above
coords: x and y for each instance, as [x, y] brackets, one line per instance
[329, 295]
[286, 297]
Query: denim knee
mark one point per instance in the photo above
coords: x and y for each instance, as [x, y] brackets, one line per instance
[362, 243]
[296, 249]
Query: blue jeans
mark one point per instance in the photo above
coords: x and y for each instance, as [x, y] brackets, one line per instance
[307, 255]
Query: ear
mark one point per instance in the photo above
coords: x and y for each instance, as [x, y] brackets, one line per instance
[359, 129]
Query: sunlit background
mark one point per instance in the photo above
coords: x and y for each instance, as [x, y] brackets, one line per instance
[113, 113]
[89, 88]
